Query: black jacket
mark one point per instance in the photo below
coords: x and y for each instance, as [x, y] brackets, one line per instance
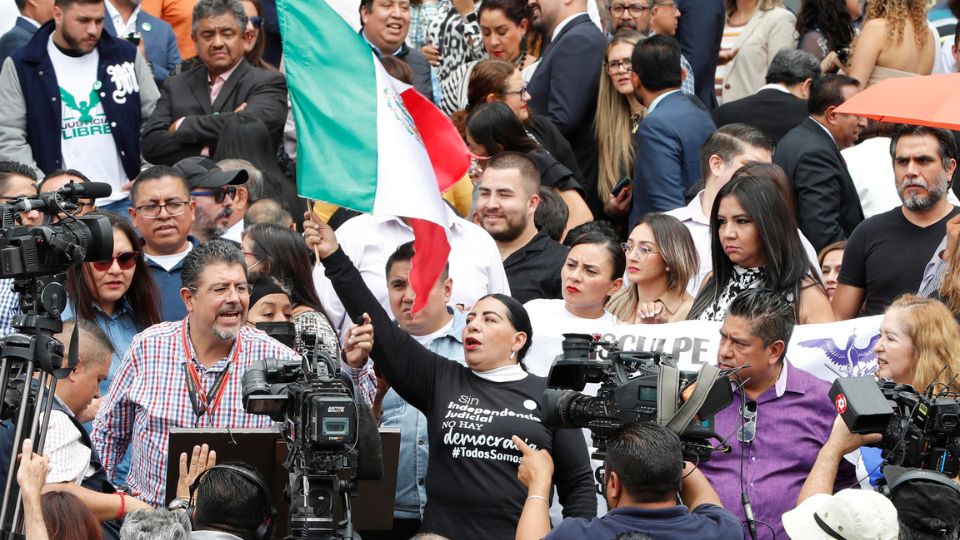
[826, 200]
[188, 95]
[771, 111]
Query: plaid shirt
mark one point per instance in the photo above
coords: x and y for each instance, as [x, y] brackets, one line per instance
[9, 306]
[149, 397]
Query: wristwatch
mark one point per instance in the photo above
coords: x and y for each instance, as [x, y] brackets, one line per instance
[178, 504]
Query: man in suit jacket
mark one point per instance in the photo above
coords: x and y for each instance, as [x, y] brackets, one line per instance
[699, 33]
[779, 106]
[825, 197]
[668, 140]
[157, 40]
[33, 14]
[564, 88]
[194, 106]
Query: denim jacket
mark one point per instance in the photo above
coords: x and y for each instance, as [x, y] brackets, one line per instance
[414, 448]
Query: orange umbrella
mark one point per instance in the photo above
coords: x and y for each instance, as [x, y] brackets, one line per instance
[931, 100]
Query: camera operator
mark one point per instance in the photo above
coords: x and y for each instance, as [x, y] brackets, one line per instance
[644, 474]
[16, 180]
[74, 464]
[779, 419]
[231, 501]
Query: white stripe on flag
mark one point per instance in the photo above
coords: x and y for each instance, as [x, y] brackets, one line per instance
[406, 185]
[348, 10]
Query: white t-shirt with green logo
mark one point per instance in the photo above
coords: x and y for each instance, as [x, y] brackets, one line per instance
[85, 139]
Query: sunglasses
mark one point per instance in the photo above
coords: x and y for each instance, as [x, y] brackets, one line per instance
[126, 260]
[256, 21]
[748, 427]
[218, 194]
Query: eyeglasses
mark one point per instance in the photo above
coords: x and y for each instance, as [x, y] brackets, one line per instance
[256, 21]
[217, 194]
[641, 250]
[126, 260]
[519, 92]
[748, 428]
[633, 9]
[152, 210]
[667, 4]
[221, 291]
[614, 67]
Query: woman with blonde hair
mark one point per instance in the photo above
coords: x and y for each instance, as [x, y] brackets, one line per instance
[894, 41]
[661, 259]
[919, 345]
[618, 115]
[755, 31]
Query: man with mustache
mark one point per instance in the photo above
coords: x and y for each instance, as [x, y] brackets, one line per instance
[887, 254]
[219, 195]
[75, 97]
[185, 373]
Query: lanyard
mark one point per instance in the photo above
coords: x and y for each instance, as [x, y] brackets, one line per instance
[205, 401]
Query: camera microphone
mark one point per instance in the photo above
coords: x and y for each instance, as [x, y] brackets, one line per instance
[748, 514]
[90, 190]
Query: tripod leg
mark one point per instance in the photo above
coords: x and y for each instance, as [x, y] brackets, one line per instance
[11, 493]
[42, 405]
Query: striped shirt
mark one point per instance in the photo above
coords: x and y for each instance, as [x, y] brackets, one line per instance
[149, 397]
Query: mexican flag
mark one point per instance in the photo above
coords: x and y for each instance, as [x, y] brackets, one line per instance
[367, 141]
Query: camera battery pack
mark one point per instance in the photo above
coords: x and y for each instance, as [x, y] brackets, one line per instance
[861, 404]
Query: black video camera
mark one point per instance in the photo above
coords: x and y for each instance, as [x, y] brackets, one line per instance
[27, 251]
[320, 424]
[919, 430]
[634, 387]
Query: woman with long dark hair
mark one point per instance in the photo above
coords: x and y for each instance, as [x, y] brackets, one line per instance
[827, 25]
[471, 484]
[246, 137]
[498, 80]
[755, 244]
[67, 518]
[118, 294]
[492, 129]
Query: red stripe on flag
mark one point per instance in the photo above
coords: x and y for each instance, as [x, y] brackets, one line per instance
[430, 257]
[448, 153]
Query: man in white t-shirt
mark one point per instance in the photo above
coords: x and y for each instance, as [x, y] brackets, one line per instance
[163, 213]
[101, 91]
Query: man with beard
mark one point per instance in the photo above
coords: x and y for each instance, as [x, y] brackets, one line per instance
[509, 195]
[630, 15]
[886, 255]
[565, 85]
[74, 98]
[216, 192]
[185, 373]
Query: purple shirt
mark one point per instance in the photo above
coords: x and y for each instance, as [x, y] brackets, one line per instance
[794, 420]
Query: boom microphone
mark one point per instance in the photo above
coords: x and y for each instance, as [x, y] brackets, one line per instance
[90, 190]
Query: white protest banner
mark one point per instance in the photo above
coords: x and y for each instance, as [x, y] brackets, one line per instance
[830, 350]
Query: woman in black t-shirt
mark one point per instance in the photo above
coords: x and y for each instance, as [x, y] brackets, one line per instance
[472, 412]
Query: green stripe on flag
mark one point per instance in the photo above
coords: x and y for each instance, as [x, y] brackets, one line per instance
[332, 81]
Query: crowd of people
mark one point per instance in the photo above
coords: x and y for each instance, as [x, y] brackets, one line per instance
[634, 162]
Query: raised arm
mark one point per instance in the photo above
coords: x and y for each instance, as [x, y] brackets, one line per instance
[409, 366]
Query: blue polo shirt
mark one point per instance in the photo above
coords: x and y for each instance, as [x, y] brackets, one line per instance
[169, 284]
[674, 523]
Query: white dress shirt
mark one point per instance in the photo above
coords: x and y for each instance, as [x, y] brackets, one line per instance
[369, 240]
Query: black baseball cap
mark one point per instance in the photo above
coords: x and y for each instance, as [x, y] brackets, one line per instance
[202, 172]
